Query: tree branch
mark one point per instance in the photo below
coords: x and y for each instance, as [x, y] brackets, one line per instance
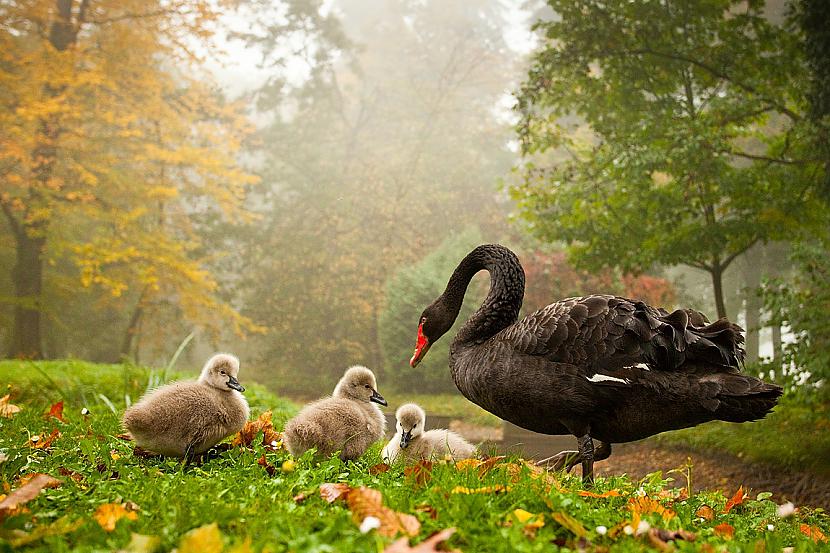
[729, 259]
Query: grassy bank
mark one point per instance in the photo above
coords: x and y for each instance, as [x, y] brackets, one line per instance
[795, 436]
[251, 499]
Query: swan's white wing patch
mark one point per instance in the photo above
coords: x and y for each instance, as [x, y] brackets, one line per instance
[605, 378]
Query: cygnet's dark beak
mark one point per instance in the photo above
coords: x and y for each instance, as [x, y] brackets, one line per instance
[234, 384]
[406, 437]
[377, 398]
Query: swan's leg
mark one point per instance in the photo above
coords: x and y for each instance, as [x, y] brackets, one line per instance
[586, 453]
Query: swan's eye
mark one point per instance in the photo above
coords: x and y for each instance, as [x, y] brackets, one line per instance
[423, 320]
[221, 372]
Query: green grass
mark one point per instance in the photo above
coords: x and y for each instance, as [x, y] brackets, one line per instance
[795, 436]
[238, 494]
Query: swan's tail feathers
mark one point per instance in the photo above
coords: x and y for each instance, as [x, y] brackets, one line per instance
[743, 398]
[686, 336]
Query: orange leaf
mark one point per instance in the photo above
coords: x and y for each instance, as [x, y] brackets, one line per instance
[489, 464]
[813, 533]
[7, 409]
[609, 493]
[645, 505]
[56, 411]
[269, 468]
[429, 545]
[109, 514]
[332, 492]
[26, 492]
[736, 500]
[270, 437]
[725, 530]
[379, 468]
[421, 472]
[706, 512]
[466, 464]
[39, 442]
[366, 502]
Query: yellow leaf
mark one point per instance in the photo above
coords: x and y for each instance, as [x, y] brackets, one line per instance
[109, 514]
[205, 539]
[7, 409]
[485, 489]
[530, 521]
[465, 464]
[570, 523]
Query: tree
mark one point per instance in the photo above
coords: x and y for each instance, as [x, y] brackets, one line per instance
[665, 132]
[108, 154]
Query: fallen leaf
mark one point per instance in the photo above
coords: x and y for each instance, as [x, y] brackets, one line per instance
[421, 472]
[205, 539]
[108, 514]
[39, 442]
[570, 523]
[429, 545]
[332, 492]
[467, 464]
[366, 502]
[725, 530]
[62, 526]
[531, 522]
[498, 488]
[270, 437]
[26, 492]
[269, 468]
[489, 464]
[56, 411]
[7, 409]
[736, 500]
[300, 497]
[813, 533]
[140, 543]
[659, 537]
[125, 436]
[705, 511]
[645, 505]
[380, 468]
[427, 510]
[609, 493]
[76, 476]
[244, 547]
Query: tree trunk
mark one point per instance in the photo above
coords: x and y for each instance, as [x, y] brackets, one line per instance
[754, 305]
[132, 328]
[717, 286]
[27, 277]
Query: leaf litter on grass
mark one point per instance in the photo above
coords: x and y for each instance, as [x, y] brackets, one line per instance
[27, 491]
[366, 502]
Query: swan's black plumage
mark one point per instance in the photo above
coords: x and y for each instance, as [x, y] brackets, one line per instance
[598, 367]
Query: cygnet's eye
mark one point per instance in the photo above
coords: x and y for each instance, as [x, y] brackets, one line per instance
[414, 425]
[222, 372]
[367, 386]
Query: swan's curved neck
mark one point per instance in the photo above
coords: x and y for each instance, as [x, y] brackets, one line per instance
[501, 307]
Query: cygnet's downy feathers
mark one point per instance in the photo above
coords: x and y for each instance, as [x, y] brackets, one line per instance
[411, 443]
[349, 421]
[188, 418]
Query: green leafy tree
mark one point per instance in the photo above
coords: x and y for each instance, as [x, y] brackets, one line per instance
[665, 132]
[408, 292]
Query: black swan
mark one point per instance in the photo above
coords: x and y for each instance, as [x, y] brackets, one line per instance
[598, 367]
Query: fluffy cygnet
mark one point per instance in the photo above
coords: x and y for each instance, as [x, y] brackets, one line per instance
[184, 419]
[410, 442]
[348, 421]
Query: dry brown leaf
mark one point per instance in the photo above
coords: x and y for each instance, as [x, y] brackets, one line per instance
[39, 442]
[126, 436]
[705, 511]
[429, 545]
[427, 509]
[366, 502]
[26, 492]
[56, 411]
[380, 468]
[205, 539]
[570, 523]
[77, 477]
[7, 409]
[725, 530]
[270, 437]
[609, 493]
[421, 472]
[497, 488]
[489, 464]
[269, 468]
[108, 514]
[813, 533]
[332, 492]
[736, 500]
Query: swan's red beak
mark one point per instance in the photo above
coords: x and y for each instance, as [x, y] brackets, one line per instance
[421, 347]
